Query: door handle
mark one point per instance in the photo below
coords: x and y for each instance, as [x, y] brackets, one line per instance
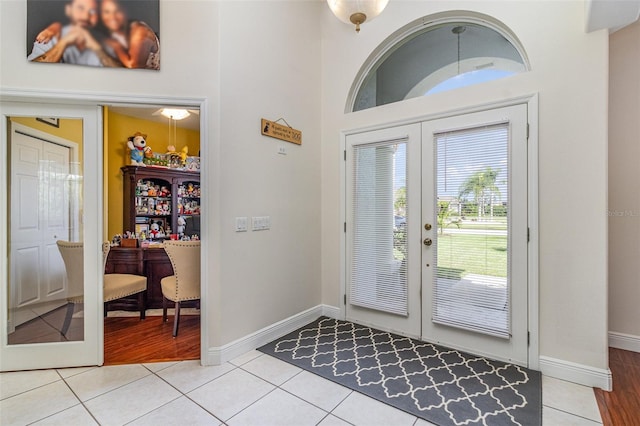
[427, 242]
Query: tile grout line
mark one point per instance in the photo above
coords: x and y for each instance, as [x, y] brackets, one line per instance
[187, 396]
[77, 397]
[573, 414]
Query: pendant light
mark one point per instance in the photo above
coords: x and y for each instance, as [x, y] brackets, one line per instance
[457, 31]
[356, 11]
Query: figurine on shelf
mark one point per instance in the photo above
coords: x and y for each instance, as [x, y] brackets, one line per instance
[190, 189]
[156, 230]
[182, 222]
[164, 192]
[152, 191]
[137, 145]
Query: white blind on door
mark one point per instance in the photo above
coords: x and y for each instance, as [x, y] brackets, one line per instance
[471, 287]
[378, 267]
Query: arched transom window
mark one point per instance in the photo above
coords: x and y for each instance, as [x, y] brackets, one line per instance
[443, 55]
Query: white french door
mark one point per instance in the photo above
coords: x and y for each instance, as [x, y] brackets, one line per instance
[474, 268]
[383, 274]
[51, 195]
[436, 231]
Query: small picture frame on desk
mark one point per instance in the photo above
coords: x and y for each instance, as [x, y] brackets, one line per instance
[142, 227]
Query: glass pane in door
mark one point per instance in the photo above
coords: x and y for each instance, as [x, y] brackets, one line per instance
[471, 284]
[379, 209]
[45, 206]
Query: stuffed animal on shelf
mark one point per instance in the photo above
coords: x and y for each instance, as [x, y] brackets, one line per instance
[182, 222]
[137, 145]
[154, 230]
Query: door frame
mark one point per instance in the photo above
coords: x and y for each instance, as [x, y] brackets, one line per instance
[531, 101]
[209, 198]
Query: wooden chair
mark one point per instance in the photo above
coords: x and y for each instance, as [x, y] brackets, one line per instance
[184, 284]
[116, 286]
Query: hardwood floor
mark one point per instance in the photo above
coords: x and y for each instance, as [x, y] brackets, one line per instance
[621, 407]
[131, 341]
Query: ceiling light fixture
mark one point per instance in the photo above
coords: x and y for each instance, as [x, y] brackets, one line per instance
[175, 114]
[356, 11]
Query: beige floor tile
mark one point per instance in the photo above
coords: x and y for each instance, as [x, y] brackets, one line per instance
[246, 357]
[361, 410]
[279, 408]
[332, 420]
[553, 417]
[422, 422]
[36, 404]
[14, 383]
[157, 366]
[316, 390]
[179, 412]
[73, 371]
[76, 416]
[570, 398]
[98, 381]
[271, 369]
[131, 401]
[188, 375]
[229, 394]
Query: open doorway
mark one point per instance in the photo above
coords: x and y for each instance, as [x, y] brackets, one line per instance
[153, 197]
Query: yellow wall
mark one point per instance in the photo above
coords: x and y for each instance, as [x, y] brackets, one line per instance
[70, 129]
[118, 128]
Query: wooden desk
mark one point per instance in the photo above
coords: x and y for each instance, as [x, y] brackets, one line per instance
[151, 262]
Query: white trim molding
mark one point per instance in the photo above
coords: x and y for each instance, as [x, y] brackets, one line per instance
[628, 342]
[221, 354]
[576, 373]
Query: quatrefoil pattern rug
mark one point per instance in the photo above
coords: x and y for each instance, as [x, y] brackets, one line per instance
[441, 385]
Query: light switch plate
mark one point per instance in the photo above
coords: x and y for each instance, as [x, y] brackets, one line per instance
[242, 224]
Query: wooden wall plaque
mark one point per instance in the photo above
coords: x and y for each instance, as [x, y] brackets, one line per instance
[278, 131]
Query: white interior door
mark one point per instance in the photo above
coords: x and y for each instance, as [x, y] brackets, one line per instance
[383, 210]
[474, 268]
[47, 200]
[41, 207]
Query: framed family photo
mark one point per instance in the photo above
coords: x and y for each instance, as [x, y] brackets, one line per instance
[98, 33]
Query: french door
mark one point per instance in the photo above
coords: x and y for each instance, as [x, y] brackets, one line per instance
[53, 158]
[449, 222]
[383, 285]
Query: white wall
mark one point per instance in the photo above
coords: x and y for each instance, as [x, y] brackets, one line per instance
[569, 71]
[270, 68]
[624, 181]
[248, 60]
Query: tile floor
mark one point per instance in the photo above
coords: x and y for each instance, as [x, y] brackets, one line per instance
[253, 389]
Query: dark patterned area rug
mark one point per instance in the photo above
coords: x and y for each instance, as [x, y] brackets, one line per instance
[440, 385]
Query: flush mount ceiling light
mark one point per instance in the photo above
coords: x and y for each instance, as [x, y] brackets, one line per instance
[176, 114]
[356, 11]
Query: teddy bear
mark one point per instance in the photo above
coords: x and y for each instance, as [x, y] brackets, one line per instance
[137, 145]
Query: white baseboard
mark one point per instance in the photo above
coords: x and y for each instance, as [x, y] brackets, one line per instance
[628, 342]
[331, 312]
[221, 354]
[576, 373]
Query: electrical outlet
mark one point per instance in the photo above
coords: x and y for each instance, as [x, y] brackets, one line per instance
[282, 150]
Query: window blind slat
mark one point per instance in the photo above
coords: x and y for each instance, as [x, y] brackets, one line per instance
[471, 286]
[378, 270]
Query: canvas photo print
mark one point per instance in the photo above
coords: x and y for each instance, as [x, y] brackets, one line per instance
[98, 33]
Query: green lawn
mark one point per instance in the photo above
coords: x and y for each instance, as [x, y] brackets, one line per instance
[476, 254]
